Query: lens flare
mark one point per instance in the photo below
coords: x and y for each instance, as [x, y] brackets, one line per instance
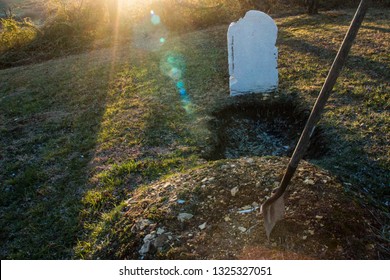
[173, 65]
[150, 33]
[155, 19]
[180, 84]
[175, 74]
[171, 59]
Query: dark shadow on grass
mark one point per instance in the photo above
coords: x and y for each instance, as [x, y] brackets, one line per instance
[376, 28]
[363, 174]
[48, 137]
[375, 70]
[305, 21]
[339, 17]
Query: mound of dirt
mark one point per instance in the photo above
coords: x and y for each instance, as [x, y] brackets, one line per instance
[213, 213]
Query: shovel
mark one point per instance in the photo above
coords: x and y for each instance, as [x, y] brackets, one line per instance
[273, 208]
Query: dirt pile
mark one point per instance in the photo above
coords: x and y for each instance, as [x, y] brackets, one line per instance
[213, 213]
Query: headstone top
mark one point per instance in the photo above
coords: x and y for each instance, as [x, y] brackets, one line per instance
[257, 18]
[253, 54]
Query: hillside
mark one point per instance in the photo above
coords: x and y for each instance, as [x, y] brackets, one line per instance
[30, 8]
[82, 135]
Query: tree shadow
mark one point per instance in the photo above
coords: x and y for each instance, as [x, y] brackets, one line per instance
[52, 114]
[360, 172]
[340, 18]
[314, 20]
[354, 62]
[376, 28]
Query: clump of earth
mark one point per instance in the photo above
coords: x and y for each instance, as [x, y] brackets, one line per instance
[212, 212]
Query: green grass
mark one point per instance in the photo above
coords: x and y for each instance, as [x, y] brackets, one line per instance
[79, 134]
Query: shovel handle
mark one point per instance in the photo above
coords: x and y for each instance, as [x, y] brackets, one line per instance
[321, 101]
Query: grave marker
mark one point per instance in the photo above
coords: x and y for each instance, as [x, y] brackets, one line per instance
[253, 54]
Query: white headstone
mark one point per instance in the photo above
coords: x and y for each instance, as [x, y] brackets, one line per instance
[252, 54]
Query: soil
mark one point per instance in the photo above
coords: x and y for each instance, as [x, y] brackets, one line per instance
[267, 126]
[219, 210]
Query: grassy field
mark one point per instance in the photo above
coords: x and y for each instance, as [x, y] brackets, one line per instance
[80, 133]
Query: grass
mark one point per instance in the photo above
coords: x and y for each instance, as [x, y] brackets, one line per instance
[357, 114]
[80, 133]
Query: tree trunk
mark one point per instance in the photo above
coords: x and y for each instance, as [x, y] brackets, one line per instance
[312, 6]
[262, 5]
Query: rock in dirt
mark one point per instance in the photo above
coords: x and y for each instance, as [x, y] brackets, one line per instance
[184, 217]
[141, 225]
[145, 248]
[234, 191]
[149, 237]
[308, 181]
[203, 226]
[242, 229]
[148, 240]
[167, 185]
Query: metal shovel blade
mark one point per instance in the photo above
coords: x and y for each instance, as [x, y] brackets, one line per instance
[272, 214]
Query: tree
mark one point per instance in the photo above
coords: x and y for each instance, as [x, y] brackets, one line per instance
[262, 5]
[312, 6]
[266, 5]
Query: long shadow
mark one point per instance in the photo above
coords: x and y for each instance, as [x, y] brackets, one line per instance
[314, 20]
[376, 28]
[354, 62]
[342, 18]
[348, 160]
[52, 114]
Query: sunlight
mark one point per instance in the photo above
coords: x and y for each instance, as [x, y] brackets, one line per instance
[114, 22]
[150, 34]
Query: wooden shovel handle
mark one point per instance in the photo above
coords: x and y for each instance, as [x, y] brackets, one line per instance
[321, 101]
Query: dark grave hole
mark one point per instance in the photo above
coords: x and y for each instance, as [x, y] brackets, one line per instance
[261, 128]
